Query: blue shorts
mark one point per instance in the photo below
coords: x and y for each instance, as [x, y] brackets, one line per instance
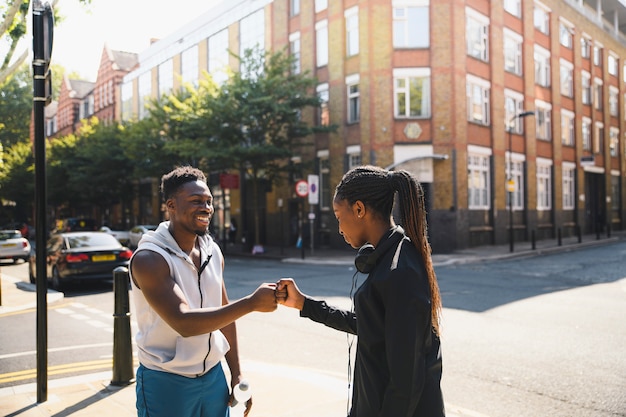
[162, 394]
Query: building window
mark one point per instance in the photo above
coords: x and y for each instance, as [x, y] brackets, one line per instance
[597, 93]
[145, 93]
[478, 178]
[598, 138]
[613, 101]
[294, 49]
[512, 52]
[354, 99]
[567, 128]
[353, 156]
[477, 35]
[514, 7]
[323, 114]
[585, 47]
[586, 133]
[567, 78]
[544, 184]
[614, 141]
[324, 173]
[219, 56]
[321, 5]
[411, 25]
[543, 118]
[189, 63]
[612, 63]
[127, 101]
[166, 77]
[541, 18]
[321, 41]
[542, 66]
[352, 31]
[478, 100]
[615, 191]
[252, 32]
[294, 7]
[513, 105]
[586, 87]
[411, 92]
[569, 192]
[565, 35]
[597, 55]
[515, 171]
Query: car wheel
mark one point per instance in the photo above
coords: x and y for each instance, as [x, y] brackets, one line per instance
[57, 284]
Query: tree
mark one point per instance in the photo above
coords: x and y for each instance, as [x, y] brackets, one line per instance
[16, 104]
[17, 180]
[258, 118]
[13, 15]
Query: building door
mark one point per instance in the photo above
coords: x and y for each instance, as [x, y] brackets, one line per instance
[595, 203]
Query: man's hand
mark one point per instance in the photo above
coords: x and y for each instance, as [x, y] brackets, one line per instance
[264, 298]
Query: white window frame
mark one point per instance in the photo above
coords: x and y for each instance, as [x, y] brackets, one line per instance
[597, 54]
[598, 96]
[323, 114]
[323, 160]
[598, 138]
[569, 185]
[612, 62]
[321, 5]
[218, 56]
[515, 171]
[567, 78]
[513, 105]
[166, 77]
[586, 92]
[541, 18]
[543, 120]
[189, 65]
[294, 7]
[586, 133]
[542, 66]
[351, 17]
[513, 51]
[585, 46]
[403, 92]
[144, 82]
[568, 136]
[478, 178]
[294, 50]
[544, 184]
[513, 7]
[127, 100]
[566, 36]
[411, 24]
[353, 99]
[252, 32]
[353, 154]
[613, 101]
[321, 43]
[613, 141]
[477, 34]
[478, 100]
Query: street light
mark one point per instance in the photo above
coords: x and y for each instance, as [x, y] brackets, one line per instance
[510, 184]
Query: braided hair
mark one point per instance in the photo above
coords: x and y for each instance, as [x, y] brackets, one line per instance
[376, 188]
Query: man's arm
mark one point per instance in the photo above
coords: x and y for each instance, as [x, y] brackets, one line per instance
[152, 275]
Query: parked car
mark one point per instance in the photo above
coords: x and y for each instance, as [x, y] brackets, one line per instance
[80, 256]
[13, 245]
[134, 235]
[120, 235]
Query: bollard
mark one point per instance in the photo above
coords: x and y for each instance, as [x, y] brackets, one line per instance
[559, 240]
[123, 373]
[532, 239]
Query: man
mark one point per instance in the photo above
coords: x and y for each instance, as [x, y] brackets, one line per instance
[186, 323]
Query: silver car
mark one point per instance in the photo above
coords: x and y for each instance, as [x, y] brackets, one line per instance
[13, 245]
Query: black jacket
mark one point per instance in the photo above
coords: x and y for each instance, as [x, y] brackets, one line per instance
[397, 372]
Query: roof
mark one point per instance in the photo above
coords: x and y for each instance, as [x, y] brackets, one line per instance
[82, 87]
[126, 61]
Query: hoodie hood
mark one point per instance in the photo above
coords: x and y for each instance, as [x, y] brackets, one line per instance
[162, 238]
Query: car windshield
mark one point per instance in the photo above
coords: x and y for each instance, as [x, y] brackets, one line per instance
[92, 239]
[9, 234]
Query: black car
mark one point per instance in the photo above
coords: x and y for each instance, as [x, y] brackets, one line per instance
[81, 256]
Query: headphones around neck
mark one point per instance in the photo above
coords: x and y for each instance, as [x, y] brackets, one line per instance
[368, 255]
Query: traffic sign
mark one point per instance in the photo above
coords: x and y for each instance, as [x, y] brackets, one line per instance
[314, 185]
[302, 188]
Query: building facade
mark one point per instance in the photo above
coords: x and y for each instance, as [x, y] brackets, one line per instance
[511, 113]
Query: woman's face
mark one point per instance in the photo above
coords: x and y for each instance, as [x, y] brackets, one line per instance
[351, 225]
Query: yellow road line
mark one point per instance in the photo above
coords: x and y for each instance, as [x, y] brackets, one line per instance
[58, 370]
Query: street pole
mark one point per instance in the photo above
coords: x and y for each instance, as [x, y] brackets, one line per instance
[43, 26]
[510, 184]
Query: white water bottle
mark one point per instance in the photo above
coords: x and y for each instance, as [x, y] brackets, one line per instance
[241, 394]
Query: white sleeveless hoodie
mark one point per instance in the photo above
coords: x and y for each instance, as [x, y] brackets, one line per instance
[159, 346]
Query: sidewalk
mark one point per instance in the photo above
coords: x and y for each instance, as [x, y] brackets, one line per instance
[93, 395]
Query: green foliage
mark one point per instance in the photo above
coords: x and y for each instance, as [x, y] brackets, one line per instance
[16, 103]
[17, 180]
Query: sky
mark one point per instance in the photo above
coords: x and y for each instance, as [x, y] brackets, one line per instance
[125, 25]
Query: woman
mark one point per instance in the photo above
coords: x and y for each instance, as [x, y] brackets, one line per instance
[396, 310]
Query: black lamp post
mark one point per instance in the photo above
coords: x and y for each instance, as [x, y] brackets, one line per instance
[510, 185]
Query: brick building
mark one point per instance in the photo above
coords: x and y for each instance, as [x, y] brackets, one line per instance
[487, 102]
